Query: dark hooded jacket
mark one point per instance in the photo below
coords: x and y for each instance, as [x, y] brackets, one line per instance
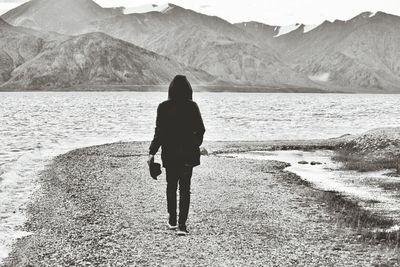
[179, 126]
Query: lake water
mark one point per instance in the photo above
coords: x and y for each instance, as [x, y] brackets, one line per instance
[34, 127]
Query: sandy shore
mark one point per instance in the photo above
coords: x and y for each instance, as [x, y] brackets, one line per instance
[98, 207]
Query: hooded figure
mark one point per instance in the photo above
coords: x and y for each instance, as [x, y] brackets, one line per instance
[180, 89]
[179, 131]
[179, 126]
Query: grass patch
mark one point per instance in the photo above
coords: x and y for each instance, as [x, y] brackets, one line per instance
[349, 213]
[294, 178]
[394, 186]
[369, 226]
[359, 163]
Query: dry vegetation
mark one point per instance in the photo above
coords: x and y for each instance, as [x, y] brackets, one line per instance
[371, 227]
[353, 161]
[377, 149]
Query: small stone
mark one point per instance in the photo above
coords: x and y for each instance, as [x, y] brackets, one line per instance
[303, 162]
[315, 163]
[203, 151]
[114, 165]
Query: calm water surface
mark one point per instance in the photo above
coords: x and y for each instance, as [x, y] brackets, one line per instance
[37, 126]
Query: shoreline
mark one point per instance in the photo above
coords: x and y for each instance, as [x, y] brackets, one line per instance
[230, 88]
[200, 89]
[22, 178]
[255, 91]
[68, 209]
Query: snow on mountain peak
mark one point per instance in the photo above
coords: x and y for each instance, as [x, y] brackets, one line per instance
[282, 30]
[308, 28]
[148, 8]
[286, 29]
[372, 14]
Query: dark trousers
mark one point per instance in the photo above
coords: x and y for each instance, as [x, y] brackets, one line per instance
[183, 175]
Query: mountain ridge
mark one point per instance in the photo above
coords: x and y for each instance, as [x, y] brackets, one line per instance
[88, 59]
[331, 56]
[342, 54]
[204, 42]
[50, 14]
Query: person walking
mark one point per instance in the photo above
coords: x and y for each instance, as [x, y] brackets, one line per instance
[179, 132]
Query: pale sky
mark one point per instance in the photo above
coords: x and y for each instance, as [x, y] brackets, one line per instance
[277, 12]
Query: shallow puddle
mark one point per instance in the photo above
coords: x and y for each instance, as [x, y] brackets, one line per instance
[366, 187]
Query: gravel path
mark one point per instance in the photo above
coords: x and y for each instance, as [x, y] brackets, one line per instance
[99, 207]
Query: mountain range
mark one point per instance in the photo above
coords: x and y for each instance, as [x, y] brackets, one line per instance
[67, 43]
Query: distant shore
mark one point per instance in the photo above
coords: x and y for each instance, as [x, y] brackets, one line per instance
[164, 88]
[217, 88]
[210, 89]
[98, 206]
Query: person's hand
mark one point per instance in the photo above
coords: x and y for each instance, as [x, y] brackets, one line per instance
[150, 159]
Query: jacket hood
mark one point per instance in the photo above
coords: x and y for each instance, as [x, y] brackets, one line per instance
[180, 89]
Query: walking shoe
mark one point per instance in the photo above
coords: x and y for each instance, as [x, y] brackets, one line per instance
[172, 223]
[182, 230]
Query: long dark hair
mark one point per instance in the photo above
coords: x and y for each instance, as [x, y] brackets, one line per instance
[180, 89]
